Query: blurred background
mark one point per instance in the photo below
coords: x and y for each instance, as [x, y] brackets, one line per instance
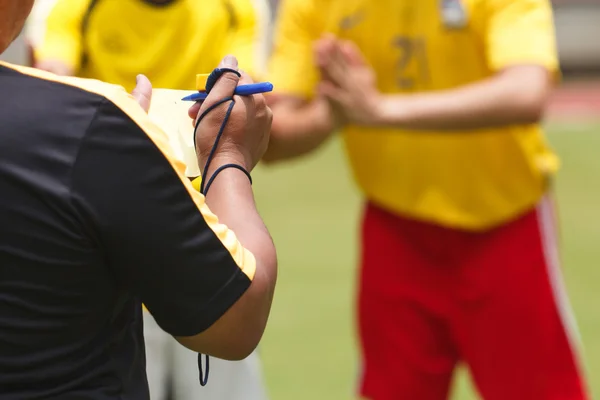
[312, 210]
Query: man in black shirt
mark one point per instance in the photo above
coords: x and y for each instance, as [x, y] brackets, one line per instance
[96, 217]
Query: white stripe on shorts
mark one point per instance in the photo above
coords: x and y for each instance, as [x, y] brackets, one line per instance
[547, 226]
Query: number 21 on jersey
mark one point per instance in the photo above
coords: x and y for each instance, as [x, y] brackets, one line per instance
[412, 69]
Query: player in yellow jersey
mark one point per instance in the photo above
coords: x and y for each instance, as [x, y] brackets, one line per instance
[439, 104]
[170, 41]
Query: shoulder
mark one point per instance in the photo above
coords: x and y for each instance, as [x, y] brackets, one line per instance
[94, 88]
[59, 88]
[64, 8]
[520, 6]
[89, 98]
[309, 15]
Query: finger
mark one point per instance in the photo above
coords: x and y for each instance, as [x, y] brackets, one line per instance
[336, 68]
[226, 84]
[245, 79]
[193, 111]
[143, 92]
[195, 108]
[331, 93]
[321, 57]
[352, 54]
[338, 60]
[323, 50]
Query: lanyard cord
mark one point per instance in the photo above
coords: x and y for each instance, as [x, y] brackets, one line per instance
[205, 184]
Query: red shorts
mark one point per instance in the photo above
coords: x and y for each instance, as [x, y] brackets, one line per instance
[431, 297]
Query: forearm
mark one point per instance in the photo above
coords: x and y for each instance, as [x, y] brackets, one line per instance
[237, 333]
[231, 198]
[498, 101]
[297, 130]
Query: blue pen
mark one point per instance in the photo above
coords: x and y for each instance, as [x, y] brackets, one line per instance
[242, 90]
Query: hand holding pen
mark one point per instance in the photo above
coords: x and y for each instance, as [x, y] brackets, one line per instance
[241, 90]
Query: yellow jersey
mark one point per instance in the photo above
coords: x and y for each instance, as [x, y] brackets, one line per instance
[470, 180]
[114, 40]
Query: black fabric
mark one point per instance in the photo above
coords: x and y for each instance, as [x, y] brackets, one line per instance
[94, 221]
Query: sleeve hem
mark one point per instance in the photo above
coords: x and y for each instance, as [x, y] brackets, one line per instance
[248, 266]
[550, 65]
[216, 307]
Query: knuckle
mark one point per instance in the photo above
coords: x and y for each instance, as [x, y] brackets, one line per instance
[246, 78]
[269, 118]
[230, 77]
[226, 83]
[261, 102]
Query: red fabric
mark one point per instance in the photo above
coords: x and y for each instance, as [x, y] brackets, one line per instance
[430, 297]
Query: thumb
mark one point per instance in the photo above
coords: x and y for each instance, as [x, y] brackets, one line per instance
[143, 92]
[226, 84]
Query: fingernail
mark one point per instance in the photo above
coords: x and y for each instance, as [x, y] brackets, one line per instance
[137, 78]
[230, 62]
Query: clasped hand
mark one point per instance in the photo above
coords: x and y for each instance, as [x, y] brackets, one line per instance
[348, 82]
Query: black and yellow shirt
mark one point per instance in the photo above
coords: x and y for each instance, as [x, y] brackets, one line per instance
[97, 217]
[170, 42]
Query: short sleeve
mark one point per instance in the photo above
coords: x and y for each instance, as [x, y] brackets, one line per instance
[292, 67]
[61, 39]
[521, 32]
[160, 240]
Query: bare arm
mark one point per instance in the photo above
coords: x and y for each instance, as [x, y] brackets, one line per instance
[207, 281]
[302, 121]
[299, 127]
[236, 334]
[514, 96]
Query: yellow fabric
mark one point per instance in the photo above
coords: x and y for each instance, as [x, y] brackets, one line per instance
[201, 80]
[249, 42]
[243, 257]
[170, 43]
[196, 183]
[473, 180]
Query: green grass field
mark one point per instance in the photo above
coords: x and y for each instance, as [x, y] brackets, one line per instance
[312, 210]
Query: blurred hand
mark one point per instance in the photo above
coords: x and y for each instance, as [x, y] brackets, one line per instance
[246, 135]
[142, 92]
[56, 67]
[348, 82]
